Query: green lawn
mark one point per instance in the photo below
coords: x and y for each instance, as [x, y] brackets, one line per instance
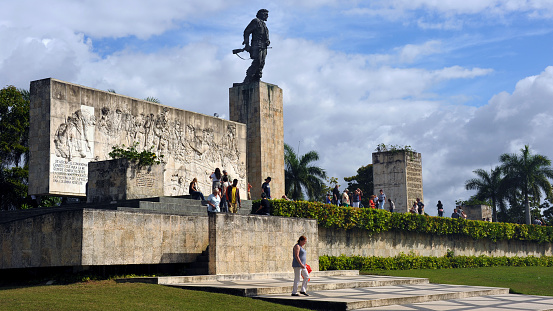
[108, 295]
[521, 280]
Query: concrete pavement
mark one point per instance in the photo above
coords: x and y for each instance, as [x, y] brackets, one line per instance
[347, 290]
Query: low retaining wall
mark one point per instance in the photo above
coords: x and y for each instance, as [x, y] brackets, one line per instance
[335, 242]
[101, 237]
[257, 244]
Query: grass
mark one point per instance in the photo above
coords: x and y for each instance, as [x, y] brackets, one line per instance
[520, 280]
[109, 295]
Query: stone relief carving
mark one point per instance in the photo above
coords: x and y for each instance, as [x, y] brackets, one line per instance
[191, 151]
[74, 138]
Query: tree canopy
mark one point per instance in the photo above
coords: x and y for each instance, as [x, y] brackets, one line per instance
[364, 181]
[301, 176]
[14, 147]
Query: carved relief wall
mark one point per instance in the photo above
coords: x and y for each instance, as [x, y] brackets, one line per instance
[84, 124]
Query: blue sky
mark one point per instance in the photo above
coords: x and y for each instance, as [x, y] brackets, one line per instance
[460, 81]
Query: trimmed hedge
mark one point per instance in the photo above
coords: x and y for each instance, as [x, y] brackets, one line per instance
[407, 262]
[375, 220]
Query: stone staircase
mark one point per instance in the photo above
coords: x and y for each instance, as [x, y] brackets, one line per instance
[347, 290]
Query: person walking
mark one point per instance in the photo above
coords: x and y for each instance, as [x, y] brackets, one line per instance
[299, 262]
[392, 205]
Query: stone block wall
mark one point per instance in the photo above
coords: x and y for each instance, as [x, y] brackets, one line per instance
[48, 240]
[72, 125]
[478, 212]
[399, 175]
[101, 237]
[258, 244]
[334, 242]
[117, 238]
[116, 180]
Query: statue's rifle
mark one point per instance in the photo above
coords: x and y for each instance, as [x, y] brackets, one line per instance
[245, 49]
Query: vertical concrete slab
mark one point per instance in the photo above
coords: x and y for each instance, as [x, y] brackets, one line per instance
[259, 106]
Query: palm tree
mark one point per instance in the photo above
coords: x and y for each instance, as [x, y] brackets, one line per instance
[528, 173]
[301, 176]
[489, 187]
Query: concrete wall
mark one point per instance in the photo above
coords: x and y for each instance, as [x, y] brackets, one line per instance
[388, 244]
[71, 125]
[101, 237]
[257, 244]
[49, 240]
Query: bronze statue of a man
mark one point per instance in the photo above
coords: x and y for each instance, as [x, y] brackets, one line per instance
[258, 47]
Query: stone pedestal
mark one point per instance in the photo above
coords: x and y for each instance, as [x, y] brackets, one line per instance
[117, 180]
[259, 106]
[399, 174]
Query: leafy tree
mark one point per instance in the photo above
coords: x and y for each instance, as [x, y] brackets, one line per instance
[489, 187]
[529, 174]
[364, 181]
[14, 148]
[301, 176]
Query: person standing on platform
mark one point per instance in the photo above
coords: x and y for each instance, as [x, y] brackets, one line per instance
[345, 198]
[420, 206]
[266, 188]
[336, 196]
[249, 192]
[392, 205]
[381, 199]
[224, 187]
[233, 197]
[216, 179]
[299, 262]
[440, 208]
[213, 202]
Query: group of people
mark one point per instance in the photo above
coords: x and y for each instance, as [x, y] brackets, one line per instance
[225, 197]
[354, 200]
[418, 207]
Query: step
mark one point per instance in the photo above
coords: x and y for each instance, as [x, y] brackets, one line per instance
[368, 297]
[169, 280]
[503, 302]
[251, 288]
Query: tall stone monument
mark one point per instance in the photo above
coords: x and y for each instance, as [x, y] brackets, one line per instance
[399, 174]
[259, 106]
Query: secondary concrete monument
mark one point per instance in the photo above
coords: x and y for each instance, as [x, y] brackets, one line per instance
[399, 174]
[259, 106]
[72, 125]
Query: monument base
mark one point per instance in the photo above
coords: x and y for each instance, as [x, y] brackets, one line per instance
[259, 106]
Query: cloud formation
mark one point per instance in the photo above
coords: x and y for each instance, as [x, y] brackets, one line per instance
[349, 82]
